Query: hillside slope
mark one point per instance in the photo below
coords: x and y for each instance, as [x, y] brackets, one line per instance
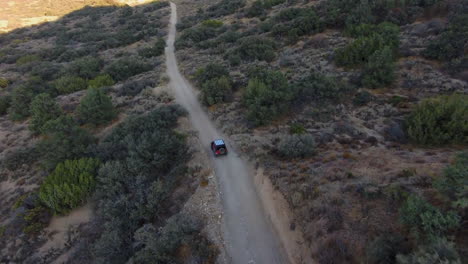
[98, 164]
[356, 110]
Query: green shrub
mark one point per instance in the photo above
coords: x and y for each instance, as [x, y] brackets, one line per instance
[297, 146]
[5, 102]
[450, 44]
[36, 219]
[319, 87]
[156, 50]
[425, 220]
[133, 88]
[297, 129]
[70, 84]
[96, 108]
[161, 246]
[43, 108]
[196, 35]
[69, 185]
[380, 69]
[209, 72]
[216, 90]
[294, 22]
[389, 32]
[14, 160]
[99, 81]
[362, 98]
[212, 23]
[46, 70]
[256, 48]
[21, 98]
[64, 140]
[3, 83]
[267, 96]
[453, 183]
[384, 249]
[27, 59]
[439, 120]
[125, 68]
[86, 67]
[145, 163]
[224, 8]
[358, 52]
[259, 7]
[361, 14]
[439, 251]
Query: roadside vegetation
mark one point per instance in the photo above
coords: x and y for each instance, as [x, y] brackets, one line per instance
[100, 64]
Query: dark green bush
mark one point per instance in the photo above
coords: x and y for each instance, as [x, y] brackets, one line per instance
[224, 7]
[384, 249]
[450, 44]
[133, 88]
[114, 147]
[145, 159]
[425, 220]
[86, 67]
[125, 68]
[361, 14]
[316, 87]
[380, 69]
[439, 120]
[256, 48]
[195, 35]
[46, 70]
[161, 246]
[21, 98]
[216, 90]
[96, 108]
[99, 81]
[15, 159]
[5, 102]
[267, 96]
[294, 22]
[439, 251]
[340, 13]
[43, 109]
[362, 98]
[70, 84]
[388, 31]
[27, 59]
[297, 128]
[156, 50]
[453, 183]
[358, 52]
[69, 185]
[259, 7]
[64, 140]
[209, 72]
[36, 219]
[297, 146]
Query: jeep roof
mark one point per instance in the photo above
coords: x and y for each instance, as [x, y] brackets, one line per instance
[219, 142]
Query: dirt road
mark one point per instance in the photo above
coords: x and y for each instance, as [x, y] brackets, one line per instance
[249, 235]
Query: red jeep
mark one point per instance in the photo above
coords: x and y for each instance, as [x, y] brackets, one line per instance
[218, 147]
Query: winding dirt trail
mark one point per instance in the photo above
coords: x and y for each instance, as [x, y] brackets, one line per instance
[249, 235]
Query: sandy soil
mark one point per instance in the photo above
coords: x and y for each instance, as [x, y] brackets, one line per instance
[249, 234]
[280, 215]
[59, 226]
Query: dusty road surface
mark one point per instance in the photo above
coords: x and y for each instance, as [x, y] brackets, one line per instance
[249, 235]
